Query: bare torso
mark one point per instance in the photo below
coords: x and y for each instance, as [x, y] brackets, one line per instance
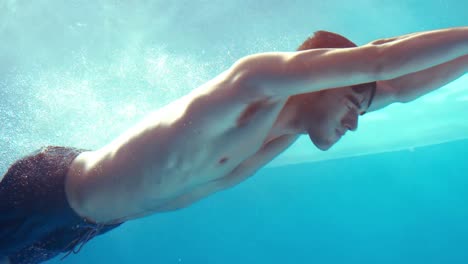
[197, 145]
[228, 158]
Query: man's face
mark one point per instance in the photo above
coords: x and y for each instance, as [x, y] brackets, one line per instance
[327, 115]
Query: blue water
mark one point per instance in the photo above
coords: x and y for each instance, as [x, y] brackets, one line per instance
[78, 73]
[400, 207]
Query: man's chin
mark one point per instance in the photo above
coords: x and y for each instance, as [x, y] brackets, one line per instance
[323, 145]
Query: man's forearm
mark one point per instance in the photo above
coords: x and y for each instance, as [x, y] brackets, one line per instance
[420, 51]
[412, 86]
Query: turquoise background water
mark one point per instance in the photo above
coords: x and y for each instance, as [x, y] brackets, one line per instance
[77, 73]
[400, 207]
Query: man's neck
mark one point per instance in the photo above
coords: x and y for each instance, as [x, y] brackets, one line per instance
[285, 124]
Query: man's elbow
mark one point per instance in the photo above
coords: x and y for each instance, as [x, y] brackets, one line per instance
[384, 62]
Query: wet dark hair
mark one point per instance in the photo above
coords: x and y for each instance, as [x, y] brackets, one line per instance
[325, 39]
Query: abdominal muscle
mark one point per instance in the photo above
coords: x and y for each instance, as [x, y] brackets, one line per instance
[206, 177]
[224, 169]
[193, 169]
[221, 178]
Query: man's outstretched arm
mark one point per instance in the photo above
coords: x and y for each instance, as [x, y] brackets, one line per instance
[286, 74]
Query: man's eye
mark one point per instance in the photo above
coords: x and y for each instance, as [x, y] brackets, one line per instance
[353, 103]
[352, 108]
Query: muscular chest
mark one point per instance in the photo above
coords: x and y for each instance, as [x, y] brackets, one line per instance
[205, 160]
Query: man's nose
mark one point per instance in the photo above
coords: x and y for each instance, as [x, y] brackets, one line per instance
[354, 125]
[351, 123]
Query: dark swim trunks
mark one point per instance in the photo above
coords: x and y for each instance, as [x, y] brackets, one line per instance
[36, 221]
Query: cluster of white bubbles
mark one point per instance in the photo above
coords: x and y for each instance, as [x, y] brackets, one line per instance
[86, 104]
[80, 75]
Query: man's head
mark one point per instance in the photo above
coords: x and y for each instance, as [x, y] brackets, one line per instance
[327, 115]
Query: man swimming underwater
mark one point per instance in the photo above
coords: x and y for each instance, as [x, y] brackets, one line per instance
[216, 136]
